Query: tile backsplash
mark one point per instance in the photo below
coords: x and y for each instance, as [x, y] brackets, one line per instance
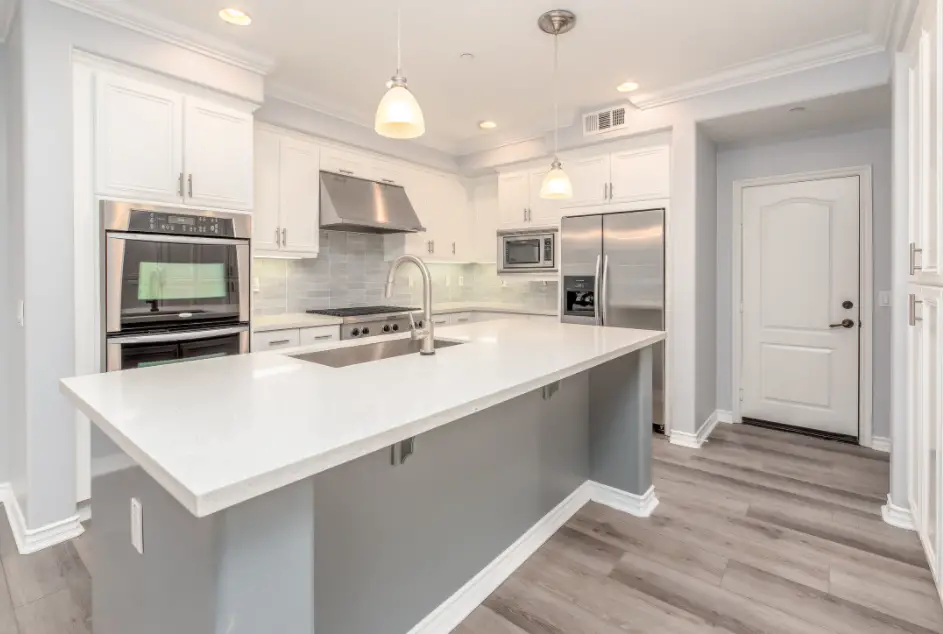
[350, 271]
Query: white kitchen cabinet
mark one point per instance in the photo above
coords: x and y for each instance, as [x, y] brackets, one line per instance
[441, 320]
[442, 204]
[286, 220]
[138, 140]
[590, 178]
[154, 144]
[541, 212]
[217, 155]
[639, 175]
[343, 161]
[513, 199]
[276, 340]
[319, 334]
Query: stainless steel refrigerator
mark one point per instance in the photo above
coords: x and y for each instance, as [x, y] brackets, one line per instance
[613, 274]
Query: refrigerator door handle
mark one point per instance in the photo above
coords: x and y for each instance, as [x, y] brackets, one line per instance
[605, 290]
[598, 315]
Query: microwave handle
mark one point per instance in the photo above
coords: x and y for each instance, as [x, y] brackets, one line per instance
[168, 337]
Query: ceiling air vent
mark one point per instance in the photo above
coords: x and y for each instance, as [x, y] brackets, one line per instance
[603, 121]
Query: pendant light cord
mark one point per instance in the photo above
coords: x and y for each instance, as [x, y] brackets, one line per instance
[399, 42]
[556, 95]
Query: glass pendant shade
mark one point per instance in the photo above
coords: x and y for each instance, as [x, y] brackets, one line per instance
[399, 115]
[556, 185]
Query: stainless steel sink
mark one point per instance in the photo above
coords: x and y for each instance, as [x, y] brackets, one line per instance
[342, 357]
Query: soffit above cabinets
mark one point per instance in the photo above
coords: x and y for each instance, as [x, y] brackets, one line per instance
[337, 62]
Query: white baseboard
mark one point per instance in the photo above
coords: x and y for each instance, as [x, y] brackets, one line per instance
[457, 607]
[897, 515]
[694, 441]
[30, 540]
[724, 416]
[880, 443]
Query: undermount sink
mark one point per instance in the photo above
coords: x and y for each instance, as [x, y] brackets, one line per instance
[342, 357]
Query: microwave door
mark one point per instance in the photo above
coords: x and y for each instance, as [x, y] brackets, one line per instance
[581, 262]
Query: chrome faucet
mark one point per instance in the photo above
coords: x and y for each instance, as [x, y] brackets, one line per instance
[426, 332]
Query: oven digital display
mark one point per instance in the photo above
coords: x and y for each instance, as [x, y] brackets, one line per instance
[189, 221]
[159, 281]
[169, 223]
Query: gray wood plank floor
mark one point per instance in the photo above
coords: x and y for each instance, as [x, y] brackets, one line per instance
[758, 532]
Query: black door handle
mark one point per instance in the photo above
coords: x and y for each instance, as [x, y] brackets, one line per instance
[845, 323]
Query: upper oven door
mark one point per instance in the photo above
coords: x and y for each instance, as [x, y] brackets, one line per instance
[157, 281]
[527, 252]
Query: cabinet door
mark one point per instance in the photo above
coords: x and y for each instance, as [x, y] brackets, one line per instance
[217, 155]
[344, 162]
[513, 200]
[485, 205]
[385, 171]
[299, 196]
[457, 223]
[590, 178]
[640, 175]
[276, 340]
[540, 211]
[319, 334]
[266, 231]
[138, 134]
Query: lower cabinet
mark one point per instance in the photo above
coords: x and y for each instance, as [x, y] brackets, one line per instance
[294, 337]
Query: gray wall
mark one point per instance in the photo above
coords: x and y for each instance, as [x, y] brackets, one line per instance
[5, 277]
[705, 355]
[870, 147]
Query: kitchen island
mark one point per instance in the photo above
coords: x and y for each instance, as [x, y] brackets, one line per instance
[280, 495]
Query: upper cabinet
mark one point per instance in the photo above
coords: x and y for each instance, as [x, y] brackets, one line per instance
[154, 144]
[619, 177]
[590, 179]
[286, 220]
[520, 206]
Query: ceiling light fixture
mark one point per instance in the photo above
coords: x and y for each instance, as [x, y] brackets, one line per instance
[399, 115]
[556, 184]
[487, 125]
[629, 86]
[235, 16]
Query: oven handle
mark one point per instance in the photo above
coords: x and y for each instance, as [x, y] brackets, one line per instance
[154, 237]
[188, 335]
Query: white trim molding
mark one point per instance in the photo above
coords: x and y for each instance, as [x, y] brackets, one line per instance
[31, 540]
[881, 443]
[724, 416]
[865, 286]
[898, 516]
[696, 440]
[137, 19]
[463, 602]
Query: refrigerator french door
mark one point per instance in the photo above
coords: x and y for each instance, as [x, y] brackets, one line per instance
[613, 274]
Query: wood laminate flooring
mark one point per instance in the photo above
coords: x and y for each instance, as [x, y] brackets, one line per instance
[757, 532]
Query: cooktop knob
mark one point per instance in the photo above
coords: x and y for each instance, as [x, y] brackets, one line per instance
[366, 331]
[420, 324]
[395, 327]
[355, 332]
[387, 328]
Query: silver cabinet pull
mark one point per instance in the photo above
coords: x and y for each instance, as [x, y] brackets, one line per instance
[912, 316]
[914, 267]
[190, 185]
[280, 342]
[387, 180]
[346, 172]
[278, 239]
[284, 237]
[453, 248]
[323, 337]
[596, 280]
[180, 185]
[525, 214]
[605, 191]
[610, 191]
[433, 247]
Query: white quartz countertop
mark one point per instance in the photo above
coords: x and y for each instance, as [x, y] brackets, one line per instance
[218, 432]
[462, 307]
[288, 321]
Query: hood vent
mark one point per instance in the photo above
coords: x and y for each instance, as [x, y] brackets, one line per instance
[353, 204]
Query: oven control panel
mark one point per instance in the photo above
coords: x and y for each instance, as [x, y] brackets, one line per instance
[180, 224]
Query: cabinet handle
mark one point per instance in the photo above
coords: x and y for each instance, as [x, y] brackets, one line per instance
[323, 337]
[525, 214]
[280, 342]
[190, 185]
[387, 180]
[453, 248]
[346, 172]
[433, 246]
[610, 191]
[278, 239]
[605, 191]
[180, 185]
[914, 267]
[284, 237]
[912, 316]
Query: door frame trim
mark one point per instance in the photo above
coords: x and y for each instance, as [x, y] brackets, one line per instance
[865, 285]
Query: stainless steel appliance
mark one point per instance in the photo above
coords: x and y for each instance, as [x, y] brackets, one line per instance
[527, 251]
[613, 274]
[354, 204]
[175, 283]
[373, 321]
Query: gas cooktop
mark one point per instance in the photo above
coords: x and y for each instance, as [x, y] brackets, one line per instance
[362, 311]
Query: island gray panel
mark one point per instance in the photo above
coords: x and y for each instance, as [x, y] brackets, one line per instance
[395, 542]
[620, 412]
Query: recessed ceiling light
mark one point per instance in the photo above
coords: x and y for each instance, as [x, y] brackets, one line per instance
[235, 16]
[628, 86]
[487, 125]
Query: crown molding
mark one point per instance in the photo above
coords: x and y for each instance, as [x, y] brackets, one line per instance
[135, 19]
[7, 13]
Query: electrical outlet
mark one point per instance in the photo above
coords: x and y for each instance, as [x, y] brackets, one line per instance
[256, 285]
[884, 298]
[137, 525]
[461, 280]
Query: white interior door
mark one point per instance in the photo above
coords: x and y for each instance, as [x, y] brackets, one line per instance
[800, 282]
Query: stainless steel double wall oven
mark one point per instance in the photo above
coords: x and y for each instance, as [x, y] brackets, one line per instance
[175, 283]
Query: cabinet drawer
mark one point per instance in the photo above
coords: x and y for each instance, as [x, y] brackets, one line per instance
[320, 334]
[461, 318]
[275, 340]
[441, 320]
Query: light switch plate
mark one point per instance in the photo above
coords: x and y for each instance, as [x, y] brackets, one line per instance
[884, 298]
[137, 525]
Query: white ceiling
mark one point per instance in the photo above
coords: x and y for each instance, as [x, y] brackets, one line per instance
[848, 111]
[336, 56]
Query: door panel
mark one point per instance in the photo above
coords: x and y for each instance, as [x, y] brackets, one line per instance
[580, 263]
[513, 198]
[266, 231]
[800, 263]
[299, 196]
[590, 178]
[541, 211]
[217, 155]
[640, 175]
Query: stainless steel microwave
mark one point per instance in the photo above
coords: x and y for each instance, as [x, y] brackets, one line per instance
[527, 251]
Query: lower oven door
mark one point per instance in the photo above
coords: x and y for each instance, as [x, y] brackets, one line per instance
[140, 351]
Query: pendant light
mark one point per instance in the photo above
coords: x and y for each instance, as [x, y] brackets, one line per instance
[556, 184]
[399, 115]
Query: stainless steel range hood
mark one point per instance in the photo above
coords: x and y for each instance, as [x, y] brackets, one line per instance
[361, 206]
